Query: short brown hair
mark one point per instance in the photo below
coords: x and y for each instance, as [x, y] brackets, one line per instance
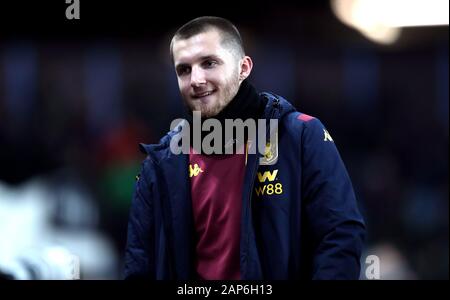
[230, 35]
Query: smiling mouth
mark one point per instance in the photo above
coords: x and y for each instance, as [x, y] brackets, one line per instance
[201, 95]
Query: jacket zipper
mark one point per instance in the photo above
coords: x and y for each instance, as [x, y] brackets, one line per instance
[249, 211]
[255, 169]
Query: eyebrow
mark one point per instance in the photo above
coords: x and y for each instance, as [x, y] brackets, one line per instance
[206, 57]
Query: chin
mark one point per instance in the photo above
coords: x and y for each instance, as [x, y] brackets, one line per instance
[208, 110]
[208, 113]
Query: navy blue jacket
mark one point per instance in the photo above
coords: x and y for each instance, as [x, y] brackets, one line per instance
[299, 216]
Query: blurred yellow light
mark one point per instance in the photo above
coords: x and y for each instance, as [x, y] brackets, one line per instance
[381, 20]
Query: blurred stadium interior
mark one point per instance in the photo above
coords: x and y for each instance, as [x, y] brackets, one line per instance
[76, 99]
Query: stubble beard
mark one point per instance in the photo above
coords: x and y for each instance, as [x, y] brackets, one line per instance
[207, 110]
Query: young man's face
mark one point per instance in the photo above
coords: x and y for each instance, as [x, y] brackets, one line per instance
[208, 73]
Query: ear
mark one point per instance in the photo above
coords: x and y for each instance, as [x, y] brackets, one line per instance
[246, 68]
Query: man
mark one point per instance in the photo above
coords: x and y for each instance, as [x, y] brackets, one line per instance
[288, 214]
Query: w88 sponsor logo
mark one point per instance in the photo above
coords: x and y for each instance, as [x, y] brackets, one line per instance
[270, 188]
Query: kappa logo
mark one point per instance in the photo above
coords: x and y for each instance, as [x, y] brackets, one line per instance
[327, 136]
[194, 171]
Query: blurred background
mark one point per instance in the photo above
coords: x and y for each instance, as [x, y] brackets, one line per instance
[77, 96]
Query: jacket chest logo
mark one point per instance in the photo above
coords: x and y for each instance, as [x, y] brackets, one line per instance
[327, 136]
[267, 175]
[194, 171]
[268, 184]
[270, 153]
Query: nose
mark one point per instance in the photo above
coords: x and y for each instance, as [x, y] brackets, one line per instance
[197, 77]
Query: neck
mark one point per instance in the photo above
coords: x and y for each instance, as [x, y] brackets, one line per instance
[246, 104]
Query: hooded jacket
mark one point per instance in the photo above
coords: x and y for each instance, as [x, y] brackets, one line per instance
[299, 216]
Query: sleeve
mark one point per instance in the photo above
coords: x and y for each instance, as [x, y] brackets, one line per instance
[335, 225]
[139, 252]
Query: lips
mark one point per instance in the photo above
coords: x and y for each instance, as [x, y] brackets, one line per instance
[202, 94]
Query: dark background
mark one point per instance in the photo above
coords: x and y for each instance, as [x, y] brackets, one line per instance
[77, 96]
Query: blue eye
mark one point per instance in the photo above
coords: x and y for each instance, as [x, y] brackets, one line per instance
[210, 63]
